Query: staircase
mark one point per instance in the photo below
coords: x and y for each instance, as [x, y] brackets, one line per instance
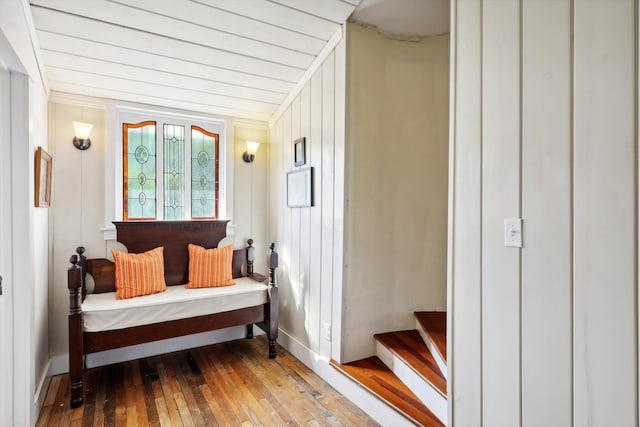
[409, 371]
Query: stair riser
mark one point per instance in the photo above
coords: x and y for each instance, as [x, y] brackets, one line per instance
[442, 364]
[421, 388]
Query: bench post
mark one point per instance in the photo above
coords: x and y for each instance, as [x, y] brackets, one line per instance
[76, 366]
[272, 321]
[251, 256]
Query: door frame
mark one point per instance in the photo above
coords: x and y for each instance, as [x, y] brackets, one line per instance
[22, 193]
[6, 267]
[19, 406]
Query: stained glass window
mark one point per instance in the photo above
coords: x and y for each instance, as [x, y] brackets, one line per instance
[139, 146]
[158, 183]
[204, 173]
[173, 150]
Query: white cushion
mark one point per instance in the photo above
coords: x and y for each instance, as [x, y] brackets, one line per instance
[103, 312]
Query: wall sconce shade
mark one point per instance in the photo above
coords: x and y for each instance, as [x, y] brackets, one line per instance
[81, 139]
[250, 154]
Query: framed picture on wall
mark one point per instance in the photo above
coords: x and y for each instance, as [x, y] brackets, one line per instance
[300, 188]
[43, 167]
[299, 152]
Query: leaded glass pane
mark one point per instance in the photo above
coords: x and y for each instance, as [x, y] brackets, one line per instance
[204, 173]
[174, 194]
[140, 185]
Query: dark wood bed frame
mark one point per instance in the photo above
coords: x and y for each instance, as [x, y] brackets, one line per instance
[141, 236]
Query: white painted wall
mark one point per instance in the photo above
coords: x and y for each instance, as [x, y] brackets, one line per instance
[544, 127]
[396, 184]
[77, 206]
[18, 50]
[309, 240]
[250, 203]
[79, 213]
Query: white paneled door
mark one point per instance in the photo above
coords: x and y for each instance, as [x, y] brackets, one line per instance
[6, 313]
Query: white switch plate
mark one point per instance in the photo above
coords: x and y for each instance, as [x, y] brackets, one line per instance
[513, 232]
[327, 331]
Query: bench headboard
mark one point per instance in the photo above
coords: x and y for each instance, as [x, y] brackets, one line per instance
[175, 236]
[141, 236]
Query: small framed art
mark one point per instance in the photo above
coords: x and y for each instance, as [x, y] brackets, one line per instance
[43, 168]
[299, 153]
[300, 188]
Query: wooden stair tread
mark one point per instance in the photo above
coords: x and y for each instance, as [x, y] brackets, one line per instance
[374, 375]
[409, 346]
[435, 324]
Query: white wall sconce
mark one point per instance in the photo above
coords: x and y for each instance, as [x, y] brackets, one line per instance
[81, 139]
[250, 154]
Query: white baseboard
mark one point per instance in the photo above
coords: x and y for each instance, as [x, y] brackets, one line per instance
[374, 407]
[423, 390]
[442, 364]
[42, 388]
[60, 364]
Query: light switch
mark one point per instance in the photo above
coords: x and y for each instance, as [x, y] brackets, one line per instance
[327, 331]
[513, 232]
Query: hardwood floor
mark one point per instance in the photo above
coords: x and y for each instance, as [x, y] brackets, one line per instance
[229, 384]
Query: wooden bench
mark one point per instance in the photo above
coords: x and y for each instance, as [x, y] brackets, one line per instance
[174, 236]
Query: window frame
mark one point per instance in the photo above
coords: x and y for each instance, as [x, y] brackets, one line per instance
[124, 115]
[217, 171]
[125, 216]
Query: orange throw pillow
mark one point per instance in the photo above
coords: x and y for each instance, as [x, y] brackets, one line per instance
[139, 274]
[209, 268]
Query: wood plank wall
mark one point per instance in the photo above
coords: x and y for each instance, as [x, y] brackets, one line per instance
[309, 240]
[544, 127]
[546, 276]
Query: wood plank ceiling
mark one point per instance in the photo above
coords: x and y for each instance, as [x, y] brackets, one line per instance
[238, 58]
